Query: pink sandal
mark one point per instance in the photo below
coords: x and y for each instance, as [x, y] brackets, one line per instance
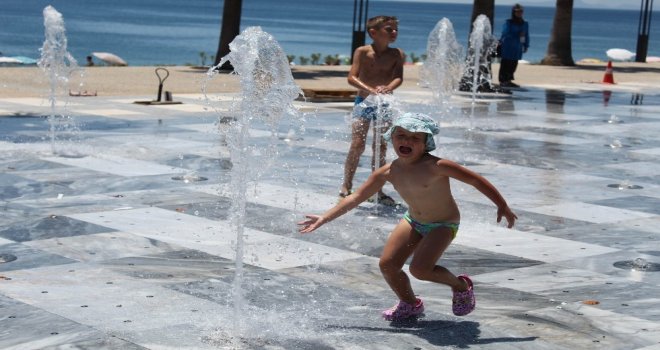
[403, 310]
[463, 302]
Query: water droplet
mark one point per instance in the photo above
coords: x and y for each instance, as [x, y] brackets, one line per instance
[640, 264]
[616, 144]
[613, 119]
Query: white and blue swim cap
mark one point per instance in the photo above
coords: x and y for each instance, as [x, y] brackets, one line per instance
[416, 122]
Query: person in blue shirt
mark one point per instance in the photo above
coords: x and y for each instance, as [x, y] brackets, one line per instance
[514, 42]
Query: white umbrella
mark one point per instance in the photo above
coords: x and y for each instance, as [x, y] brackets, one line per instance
[110, 58]
[9, 60]
[620, 54]
[18, 60]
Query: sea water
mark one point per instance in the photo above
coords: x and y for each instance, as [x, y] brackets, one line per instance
[153, 32]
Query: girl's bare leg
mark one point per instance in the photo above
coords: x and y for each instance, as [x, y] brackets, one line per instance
[429, 250]
[400, 245]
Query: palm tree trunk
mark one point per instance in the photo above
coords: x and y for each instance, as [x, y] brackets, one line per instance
[483, 7]
[479, 7]
[559, 51]
[231, 25]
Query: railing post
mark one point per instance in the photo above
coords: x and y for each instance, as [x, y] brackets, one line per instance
[643, 30]
[359, 24]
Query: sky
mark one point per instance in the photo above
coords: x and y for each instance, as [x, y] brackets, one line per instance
[611, 4]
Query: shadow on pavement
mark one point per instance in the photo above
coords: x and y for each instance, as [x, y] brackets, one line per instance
[461, 334]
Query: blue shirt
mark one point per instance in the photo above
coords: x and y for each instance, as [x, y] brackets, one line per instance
[515, 38]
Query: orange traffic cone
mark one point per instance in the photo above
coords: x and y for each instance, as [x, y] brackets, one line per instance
[609, 77]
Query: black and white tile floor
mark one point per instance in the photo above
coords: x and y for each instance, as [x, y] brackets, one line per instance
[112, 252]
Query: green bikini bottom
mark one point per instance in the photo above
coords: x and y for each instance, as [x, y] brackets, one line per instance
[424, 228]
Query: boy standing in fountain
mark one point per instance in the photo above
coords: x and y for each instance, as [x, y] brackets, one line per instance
[376, 69]
[431, 222]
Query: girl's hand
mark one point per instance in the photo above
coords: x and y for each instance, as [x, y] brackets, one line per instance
[312, 223]
[508, 214]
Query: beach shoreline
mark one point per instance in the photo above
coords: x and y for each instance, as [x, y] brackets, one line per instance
[142, 81]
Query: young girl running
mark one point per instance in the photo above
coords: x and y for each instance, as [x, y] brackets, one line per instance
[431, 222]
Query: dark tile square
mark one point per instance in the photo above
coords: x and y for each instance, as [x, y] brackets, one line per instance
[50, 227]
[28, 258]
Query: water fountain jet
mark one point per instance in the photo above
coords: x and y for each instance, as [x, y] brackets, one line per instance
[57, 64]
[443, 66]
[477, 76]
[638, 264]
[386, 108]
[267, 94]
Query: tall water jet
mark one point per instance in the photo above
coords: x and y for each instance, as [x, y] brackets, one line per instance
[386, 108]
[266, 97]
[57, 64]
[443, 67]
[477, 77]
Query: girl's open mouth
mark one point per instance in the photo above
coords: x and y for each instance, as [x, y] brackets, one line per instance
[405, 150]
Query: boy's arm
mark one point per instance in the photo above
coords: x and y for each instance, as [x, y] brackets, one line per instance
[458, 172]
[354, 72]
[373, 184]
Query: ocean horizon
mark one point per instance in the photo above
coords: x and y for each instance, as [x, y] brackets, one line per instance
[171, 32]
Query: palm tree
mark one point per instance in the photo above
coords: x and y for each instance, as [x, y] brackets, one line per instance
[483, 7]
[559, 51]
[231, 25]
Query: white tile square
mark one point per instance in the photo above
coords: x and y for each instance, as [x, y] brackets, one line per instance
[217, 237]
[109, 112]
[647, 151]
[101, 246]
[637, 168]
[527, 245]
[132, 307]
[118, 165]
[589, 212]
[544, 279]
[184, 107]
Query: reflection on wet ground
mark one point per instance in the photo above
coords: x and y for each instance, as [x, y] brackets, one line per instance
[122, 239]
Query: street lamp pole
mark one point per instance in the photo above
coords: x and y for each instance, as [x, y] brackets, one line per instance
[643, 30]
[359, 24]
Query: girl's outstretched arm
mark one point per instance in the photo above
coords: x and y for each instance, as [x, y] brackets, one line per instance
[458, 172]
[373, 184]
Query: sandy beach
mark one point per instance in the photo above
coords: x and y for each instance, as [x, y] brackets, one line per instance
[133, 81]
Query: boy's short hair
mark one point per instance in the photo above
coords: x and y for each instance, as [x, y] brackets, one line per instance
[378, 21]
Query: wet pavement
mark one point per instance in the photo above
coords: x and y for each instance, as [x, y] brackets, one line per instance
[118, 235]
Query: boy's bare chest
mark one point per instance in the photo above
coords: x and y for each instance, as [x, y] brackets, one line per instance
[376, 69]
[384, 60]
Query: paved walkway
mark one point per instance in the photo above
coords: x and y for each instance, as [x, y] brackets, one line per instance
[122, 239]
